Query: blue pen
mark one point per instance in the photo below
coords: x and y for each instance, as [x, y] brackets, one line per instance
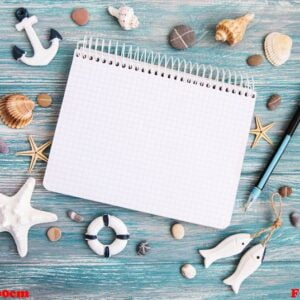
[275, 159]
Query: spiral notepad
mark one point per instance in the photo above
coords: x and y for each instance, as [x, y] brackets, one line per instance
[151, 133]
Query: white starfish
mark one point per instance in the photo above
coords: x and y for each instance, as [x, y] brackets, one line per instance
[17, 215]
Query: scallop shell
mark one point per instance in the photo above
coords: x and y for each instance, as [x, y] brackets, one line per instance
[232, 30]
[16, 110]
[277, 48]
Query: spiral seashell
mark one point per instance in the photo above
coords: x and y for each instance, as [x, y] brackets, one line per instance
[16, 110]
[126, 17]
[232, 30]
[277, 48]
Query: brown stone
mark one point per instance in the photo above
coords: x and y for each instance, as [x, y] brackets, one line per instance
[54, 234]
[255, 60]
[44, 100]
[274, 102]
[285, 191]
[182, 37]
[80, 16]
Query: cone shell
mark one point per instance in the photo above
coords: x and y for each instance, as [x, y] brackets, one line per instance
[277, 48]
[16, 110]
[232, 30]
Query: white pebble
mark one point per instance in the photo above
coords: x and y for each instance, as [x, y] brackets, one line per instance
[188, 271]
[177, 231]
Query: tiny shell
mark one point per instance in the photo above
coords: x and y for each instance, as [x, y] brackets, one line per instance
[16, 110]
[188, 271]
[3, 147]
[74, 216]
[177, 231]
[142, 248]
[277, 48]
[232, 30]
[54, 234]
[295, 219]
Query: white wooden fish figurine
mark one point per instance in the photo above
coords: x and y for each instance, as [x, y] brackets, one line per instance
[230, 246]
[248, 264]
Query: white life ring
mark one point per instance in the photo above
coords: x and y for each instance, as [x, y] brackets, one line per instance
[117, 245]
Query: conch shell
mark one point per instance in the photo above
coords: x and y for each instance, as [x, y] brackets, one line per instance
[16, 110]
[232, 30]
[277, 48]
[125, 16]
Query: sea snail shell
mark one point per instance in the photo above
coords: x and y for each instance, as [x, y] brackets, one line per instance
[126, 17]
[232, 30]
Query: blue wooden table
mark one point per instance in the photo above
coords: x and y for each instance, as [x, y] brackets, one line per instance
[68, 269]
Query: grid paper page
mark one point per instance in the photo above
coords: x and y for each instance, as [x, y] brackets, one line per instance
[149, 143]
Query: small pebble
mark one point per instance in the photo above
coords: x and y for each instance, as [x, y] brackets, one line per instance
[274, 102]
[54, 234]
[44, 100]
[74, 216]
[255, 60]
[285, 191]
[177, 231]
[188, 271]
[80, 16]
[295, 219]
[182, 37]
[142, 248]
[3, 147]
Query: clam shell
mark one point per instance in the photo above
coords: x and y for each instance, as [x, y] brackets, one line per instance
[16, 110]
[277, 48]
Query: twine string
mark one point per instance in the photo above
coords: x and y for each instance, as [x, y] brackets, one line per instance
[277, 209]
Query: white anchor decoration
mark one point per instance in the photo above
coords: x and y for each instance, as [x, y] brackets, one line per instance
[42, 56]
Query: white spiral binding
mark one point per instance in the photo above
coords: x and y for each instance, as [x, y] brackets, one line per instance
[136, 59]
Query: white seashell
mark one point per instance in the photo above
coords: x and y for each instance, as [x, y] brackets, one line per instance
[125, 16]
[277, 48]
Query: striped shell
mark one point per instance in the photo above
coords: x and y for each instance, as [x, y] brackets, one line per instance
[277, 48]
[232, 30]
[16, 110]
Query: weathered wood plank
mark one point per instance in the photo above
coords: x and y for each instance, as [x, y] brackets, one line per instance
[147, 281]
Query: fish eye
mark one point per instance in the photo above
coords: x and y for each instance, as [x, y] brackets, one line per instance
[243, 243]
[258, 257]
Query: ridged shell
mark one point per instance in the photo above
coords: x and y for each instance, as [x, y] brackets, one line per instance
[16, 110]
[232, 30]
[277, 48]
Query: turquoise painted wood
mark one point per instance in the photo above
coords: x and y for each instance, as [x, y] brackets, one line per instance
[68, 269]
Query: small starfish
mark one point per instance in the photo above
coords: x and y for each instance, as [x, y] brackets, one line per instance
[36, 152]
[261, 132]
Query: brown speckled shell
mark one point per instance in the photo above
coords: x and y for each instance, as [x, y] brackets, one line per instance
[232, 30]
[16, 110]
